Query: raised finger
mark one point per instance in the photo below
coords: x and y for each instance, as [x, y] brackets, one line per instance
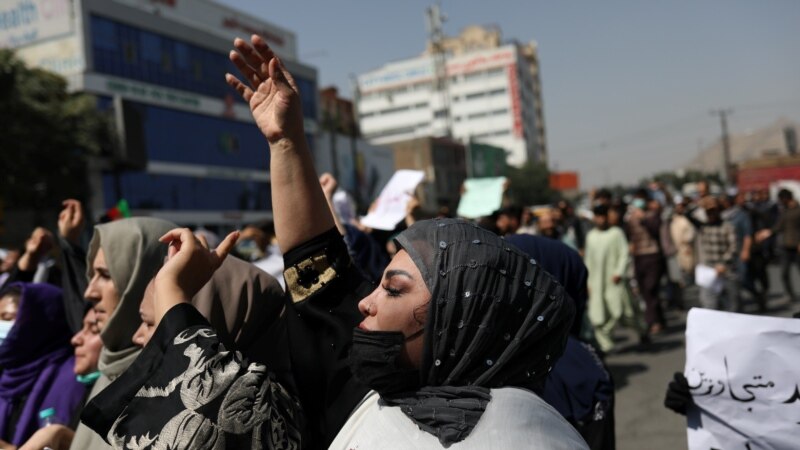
[248, 72]
[285, 74]
[203, 240]
[261, 47]
[251, 57]
[243, 90]
[226, 245]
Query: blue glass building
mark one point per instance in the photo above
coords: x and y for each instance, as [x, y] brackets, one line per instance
[189, 151]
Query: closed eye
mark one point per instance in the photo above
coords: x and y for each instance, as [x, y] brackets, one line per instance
[391, 291]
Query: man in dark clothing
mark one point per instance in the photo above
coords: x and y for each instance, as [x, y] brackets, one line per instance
[643, 230]
[789, 227]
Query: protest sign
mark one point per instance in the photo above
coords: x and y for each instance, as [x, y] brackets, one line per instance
[481, 197]
[744, 376]
[390, 207]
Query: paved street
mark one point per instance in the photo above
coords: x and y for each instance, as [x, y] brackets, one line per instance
[642, 421]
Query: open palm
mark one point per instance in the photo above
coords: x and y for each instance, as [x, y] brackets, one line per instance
[270, 90]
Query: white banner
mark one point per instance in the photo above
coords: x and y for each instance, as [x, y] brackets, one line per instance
[744, 376]
[390, 208]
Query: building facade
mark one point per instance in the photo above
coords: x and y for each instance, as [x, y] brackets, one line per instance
[362, 169]
[189, 150]
[445, 166]
[491, 94]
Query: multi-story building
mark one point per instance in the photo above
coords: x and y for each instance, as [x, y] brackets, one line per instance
[491, 94]
[445, 166]
[190, 151]
[361, 168]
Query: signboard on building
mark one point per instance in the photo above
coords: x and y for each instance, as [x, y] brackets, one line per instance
[24, 22]
[223, 21]
[486, 161]
[563, 181]
[516, 106]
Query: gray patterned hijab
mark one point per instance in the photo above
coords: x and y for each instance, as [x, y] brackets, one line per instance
[495, 319]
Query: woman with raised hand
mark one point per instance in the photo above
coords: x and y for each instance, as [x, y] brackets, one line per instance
[461, 329]
[187, 390]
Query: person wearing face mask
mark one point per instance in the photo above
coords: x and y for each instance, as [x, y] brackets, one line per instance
[9, 305]
[37, 364]
[87, 344]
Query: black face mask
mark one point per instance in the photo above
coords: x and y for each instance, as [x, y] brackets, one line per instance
[375, 362]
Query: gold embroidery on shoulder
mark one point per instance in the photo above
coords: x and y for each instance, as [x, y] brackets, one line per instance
[307, 277]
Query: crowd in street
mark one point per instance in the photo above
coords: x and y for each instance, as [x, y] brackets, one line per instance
[315, 332]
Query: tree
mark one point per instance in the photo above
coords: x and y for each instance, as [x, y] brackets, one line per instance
[46, 136]
[530, 184]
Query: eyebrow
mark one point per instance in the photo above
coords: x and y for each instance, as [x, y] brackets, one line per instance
[393, 273]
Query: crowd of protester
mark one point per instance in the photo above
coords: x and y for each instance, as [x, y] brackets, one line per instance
[313, 332]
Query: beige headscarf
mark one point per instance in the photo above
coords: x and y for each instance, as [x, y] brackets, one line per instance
[133, 255]
[244, 304]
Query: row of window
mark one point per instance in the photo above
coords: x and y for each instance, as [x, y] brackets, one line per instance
[427, 85]
[422, 105]
[126, 51]
[482, 114]
[498, 133]
[159, 192]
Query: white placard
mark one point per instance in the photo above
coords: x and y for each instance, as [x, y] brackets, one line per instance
[744, 376]
[390, 208]
[707, 277]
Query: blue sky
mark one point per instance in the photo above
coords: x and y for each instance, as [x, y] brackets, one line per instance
[627, 85]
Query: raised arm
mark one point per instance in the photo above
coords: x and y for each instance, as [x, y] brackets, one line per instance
[300, 211]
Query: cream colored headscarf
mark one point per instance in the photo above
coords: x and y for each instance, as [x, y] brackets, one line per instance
[133, 255]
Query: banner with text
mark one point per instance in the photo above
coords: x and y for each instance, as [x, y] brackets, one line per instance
[744, 376]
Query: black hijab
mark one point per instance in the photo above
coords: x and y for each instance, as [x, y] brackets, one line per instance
[495, 319]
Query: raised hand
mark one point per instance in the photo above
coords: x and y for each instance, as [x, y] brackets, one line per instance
[328, 184]
[71, 220]
[188, 267]
[270, 90]
[36, 247]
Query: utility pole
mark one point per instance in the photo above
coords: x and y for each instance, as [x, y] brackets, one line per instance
[436, 35]
[727, 166]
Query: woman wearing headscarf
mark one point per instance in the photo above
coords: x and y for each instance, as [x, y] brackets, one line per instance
[37, 365]
[580, 386]
[187, 390]
[244, 305]
[461, 329]
[123, 256]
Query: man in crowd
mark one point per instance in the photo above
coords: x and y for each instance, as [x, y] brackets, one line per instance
[788, 226]
[643, 229]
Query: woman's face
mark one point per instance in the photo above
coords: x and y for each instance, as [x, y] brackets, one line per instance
[87, 345]
[101, 290]
[9, 305]
[147, 313]
[399, 303]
